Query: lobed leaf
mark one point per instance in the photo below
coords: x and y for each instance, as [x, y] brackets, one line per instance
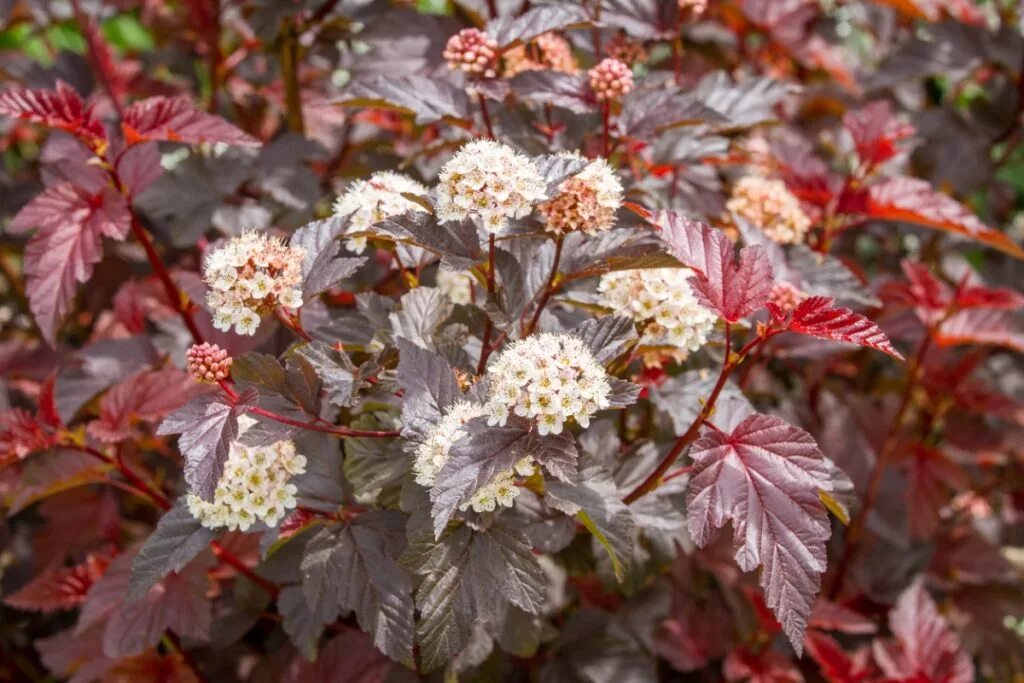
[175, 542]
[428, 99]
[178, 120]
[62, 109]
[818, 316]
[765, 477]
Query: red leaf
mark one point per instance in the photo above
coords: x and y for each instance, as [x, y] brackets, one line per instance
[733, 290]
[59, 589]
[915, 201]
[765, 477]
[876, 132]
[762, 666]
[818, 316]
[933, 479]
[62, 109]
[829, 616]
[68, 244]
[148, 396]
[21, 434]
[926, 648]
[177, 119]
[991, 326]
[836, 665]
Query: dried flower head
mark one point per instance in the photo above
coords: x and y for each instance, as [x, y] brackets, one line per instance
[770, 206]
[661, 301]
[625, 49]
[546, 51]
[473, 51]
[249, 276]
[694, 8]
[254, 486]
[587, 201]
[550, 378]
[208, 362]
[786, 296]
[610, 79]
[432, 454]
[489, 180]
[458, 287]
[368, 202]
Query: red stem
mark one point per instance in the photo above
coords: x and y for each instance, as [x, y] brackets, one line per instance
[549, 288]
[486, 115]
[341, 432]
[485, 348]
[856, 529]
[605, 126]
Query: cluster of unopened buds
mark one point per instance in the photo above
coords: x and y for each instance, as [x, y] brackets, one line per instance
[255, 486]
[249, 276]
[472, 51]
[586, 202]
[546, 51]
[548, 378]
[610, 79]
[489, 180]
[693, 7]
[433, 453]
[664, 306]
[208, 363]
[625, 49]
[769, 205]
[369, 202]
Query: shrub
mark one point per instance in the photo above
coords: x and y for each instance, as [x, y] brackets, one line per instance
[600, 341]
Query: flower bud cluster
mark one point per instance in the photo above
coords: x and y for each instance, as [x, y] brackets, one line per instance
[489, 180]
[786, 296]
[208, 362]
[549, 378]
[610, 79]
[587, 201]
[693, 7]
[546, 51]
[625, 49]
[769, 205]
[661, 301]
[432, 454]
[254, 486]
[472, 51]
[368, 202]
[250, 275]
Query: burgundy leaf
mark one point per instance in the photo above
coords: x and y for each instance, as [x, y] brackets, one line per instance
[933, 479]
[925, 648]
[818, 316]
[990, 326]
[61, 588]
[62, 253]
[146, 396]
[915, 201]
[733, 290]
[876, 132]
[829, 616]
[20, 434]
[62, 109]
[765, 478]
[178, 120]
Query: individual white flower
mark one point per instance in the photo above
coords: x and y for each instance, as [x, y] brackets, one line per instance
[587, 201]
[458, 287]
[769, 205]
[431, 455]
[254, 486]
[661, 301]
[548, 378]
[249, 276]
[489, 180]
[369, 202]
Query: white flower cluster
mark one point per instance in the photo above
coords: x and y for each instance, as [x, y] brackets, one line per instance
[661, 300]
[550, 378]
[769, 205]
[371, 201]
[587, 201]
[489, 180]
[458, 287]
[250, 275]
[254, 486]
[432, 454]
